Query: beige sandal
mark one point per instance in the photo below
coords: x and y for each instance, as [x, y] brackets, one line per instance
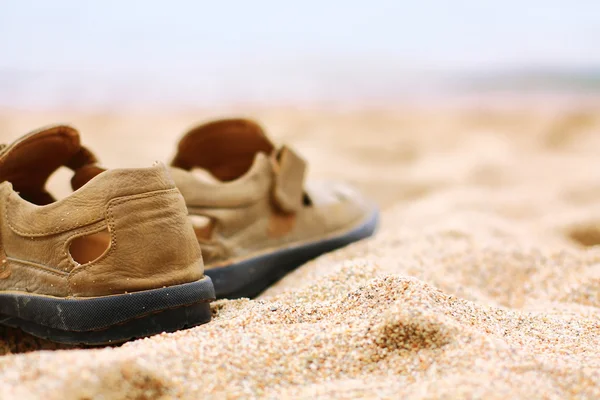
[254, 217]
[117, 259]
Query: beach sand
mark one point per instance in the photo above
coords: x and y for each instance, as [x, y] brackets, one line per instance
[483, 281]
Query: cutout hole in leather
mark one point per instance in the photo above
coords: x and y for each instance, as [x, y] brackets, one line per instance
[203, 226]
[86, 249]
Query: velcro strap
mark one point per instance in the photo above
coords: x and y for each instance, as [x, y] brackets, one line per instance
[288, 189]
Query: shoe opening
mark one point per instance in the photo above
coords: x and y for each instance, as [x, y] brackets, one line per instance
[29, 162]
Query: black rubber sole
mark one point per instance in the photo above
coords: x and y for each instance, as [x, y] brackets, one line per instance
[109, 319]
[250, 277]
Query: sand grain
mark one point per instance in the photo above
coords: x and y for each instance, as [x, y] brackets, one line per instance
[484, 281]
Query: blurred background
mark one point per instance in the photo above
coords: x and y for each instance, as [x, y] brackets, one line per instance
[476, 120]
[112, 55]
[407, 100]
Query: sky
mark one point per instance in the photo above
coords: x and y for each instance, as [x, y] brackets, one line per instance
[219, 43]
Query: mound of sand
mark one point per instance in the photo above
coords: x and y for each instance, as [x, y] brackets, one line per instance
[484, 280]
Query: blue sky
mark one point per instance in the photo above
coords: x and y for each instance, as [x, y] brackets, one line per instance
[70, 51]
[459, 34]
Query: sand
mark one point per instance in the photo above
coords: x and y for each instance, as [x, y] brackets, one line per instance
[483, 282]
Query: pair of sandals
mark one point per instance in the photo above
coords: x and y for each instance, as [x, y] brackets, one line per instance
[135, 252]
